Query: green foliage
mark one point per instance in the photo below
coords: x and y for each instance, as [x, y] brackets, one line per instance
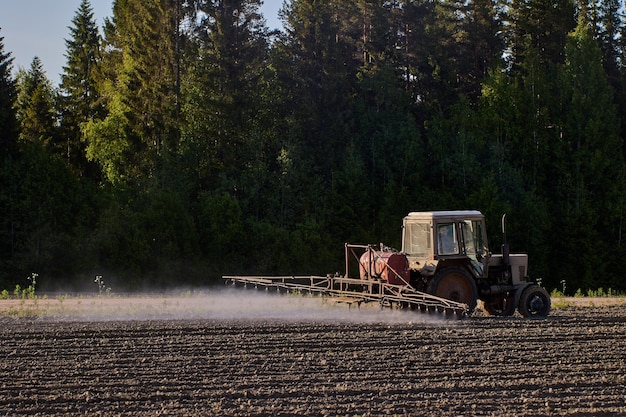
[556, 294]
[541, 27]
[24, 293]
[220, 224]
[44, 207]
[598, 293]
[35, 107]
[110, 146]
[8, 94]
[33, 284]
[222, 91]
[79, 98]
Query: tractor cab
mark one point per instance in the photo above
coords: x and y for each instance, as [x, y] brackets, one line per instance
[452, 236]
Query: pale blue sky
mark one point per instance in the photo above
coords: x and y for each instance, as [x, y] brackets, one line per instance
[39, 28]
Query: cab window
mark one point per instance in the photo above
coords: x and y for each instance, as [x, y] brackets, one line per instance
[473, 238]
[417, 241]
[447, 242]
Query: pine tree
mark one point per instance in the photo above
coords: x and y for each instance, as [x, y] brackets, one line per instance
[483, 42]
[540, 27]
[411, 21]
[608, 25]
[79, 96]
[453, 44]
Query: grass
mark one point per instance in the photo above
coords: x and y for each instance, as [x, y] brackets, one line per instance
[560, 303]
[598, 293]
[584, 298]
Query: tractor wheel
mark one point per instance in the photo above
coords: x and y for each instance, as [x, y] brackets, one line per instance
[500, 306]
[455, 284]
[534, 302]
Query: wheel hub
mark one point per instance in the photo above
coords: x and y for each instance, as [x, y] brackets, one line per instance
[536, 303]
[455, 296]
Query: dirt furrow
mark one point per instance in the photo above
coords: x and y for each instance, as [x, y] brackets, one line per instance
[569, 364]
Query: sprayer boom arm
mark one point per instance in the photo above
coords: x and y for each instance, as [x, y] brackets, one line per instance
[351, 290]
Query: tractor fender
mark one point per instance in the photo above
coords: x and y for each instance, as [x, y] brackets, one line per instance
[520, 289]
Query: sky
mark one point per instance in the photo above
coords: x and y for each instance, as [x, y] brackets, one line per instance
[39, 28]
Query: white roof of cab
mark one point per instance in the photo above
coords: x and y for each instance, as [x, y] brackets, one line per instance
[444, 213]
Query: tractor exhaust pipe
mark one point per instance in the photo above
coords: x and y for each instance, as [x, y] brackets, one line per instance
[505, 244]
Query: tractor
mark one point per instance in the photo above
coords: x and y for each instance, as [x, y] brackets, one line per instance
[447, 255]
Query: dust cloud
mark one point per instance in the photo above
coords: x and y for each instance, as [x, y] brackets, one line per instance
[224, 304]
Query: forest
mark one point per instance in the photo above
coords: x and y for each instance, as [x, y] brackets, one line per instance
[186, 140]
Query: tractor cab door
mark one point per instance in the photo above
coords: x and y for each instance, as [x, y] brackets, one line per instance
[464, 238]
[473, 234]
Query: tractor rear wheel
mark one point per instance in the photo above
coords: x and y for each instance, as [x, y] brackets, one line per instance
[455, 284]
[534, 302]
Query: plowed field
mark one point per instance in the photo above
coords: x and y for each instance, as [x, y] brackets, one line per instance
[263, 356]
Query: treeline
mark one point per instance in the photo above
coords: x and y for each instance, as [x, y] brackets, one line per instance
[187, 140]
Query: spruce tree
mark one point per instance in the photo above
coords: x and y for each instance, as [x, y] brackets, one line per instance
[8, 94]
[139, 84]
[35, 107]
[149, 34]
[320, 72]
[8, 153]
[79, 96]
[224, 89]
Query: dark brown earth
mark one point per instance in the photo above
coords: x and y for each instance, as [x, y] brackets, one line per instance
[571, 364]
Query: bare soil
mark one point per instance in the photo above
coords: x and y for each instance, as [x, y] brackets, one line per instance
[269, 357]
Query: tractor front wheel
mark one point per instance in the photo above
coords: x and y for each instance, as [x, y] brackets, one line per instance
[534, 302]
[455, 284]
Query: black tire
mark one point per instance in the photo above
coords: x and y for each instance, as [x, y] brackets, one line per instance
[534, 302]
[455, 284]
